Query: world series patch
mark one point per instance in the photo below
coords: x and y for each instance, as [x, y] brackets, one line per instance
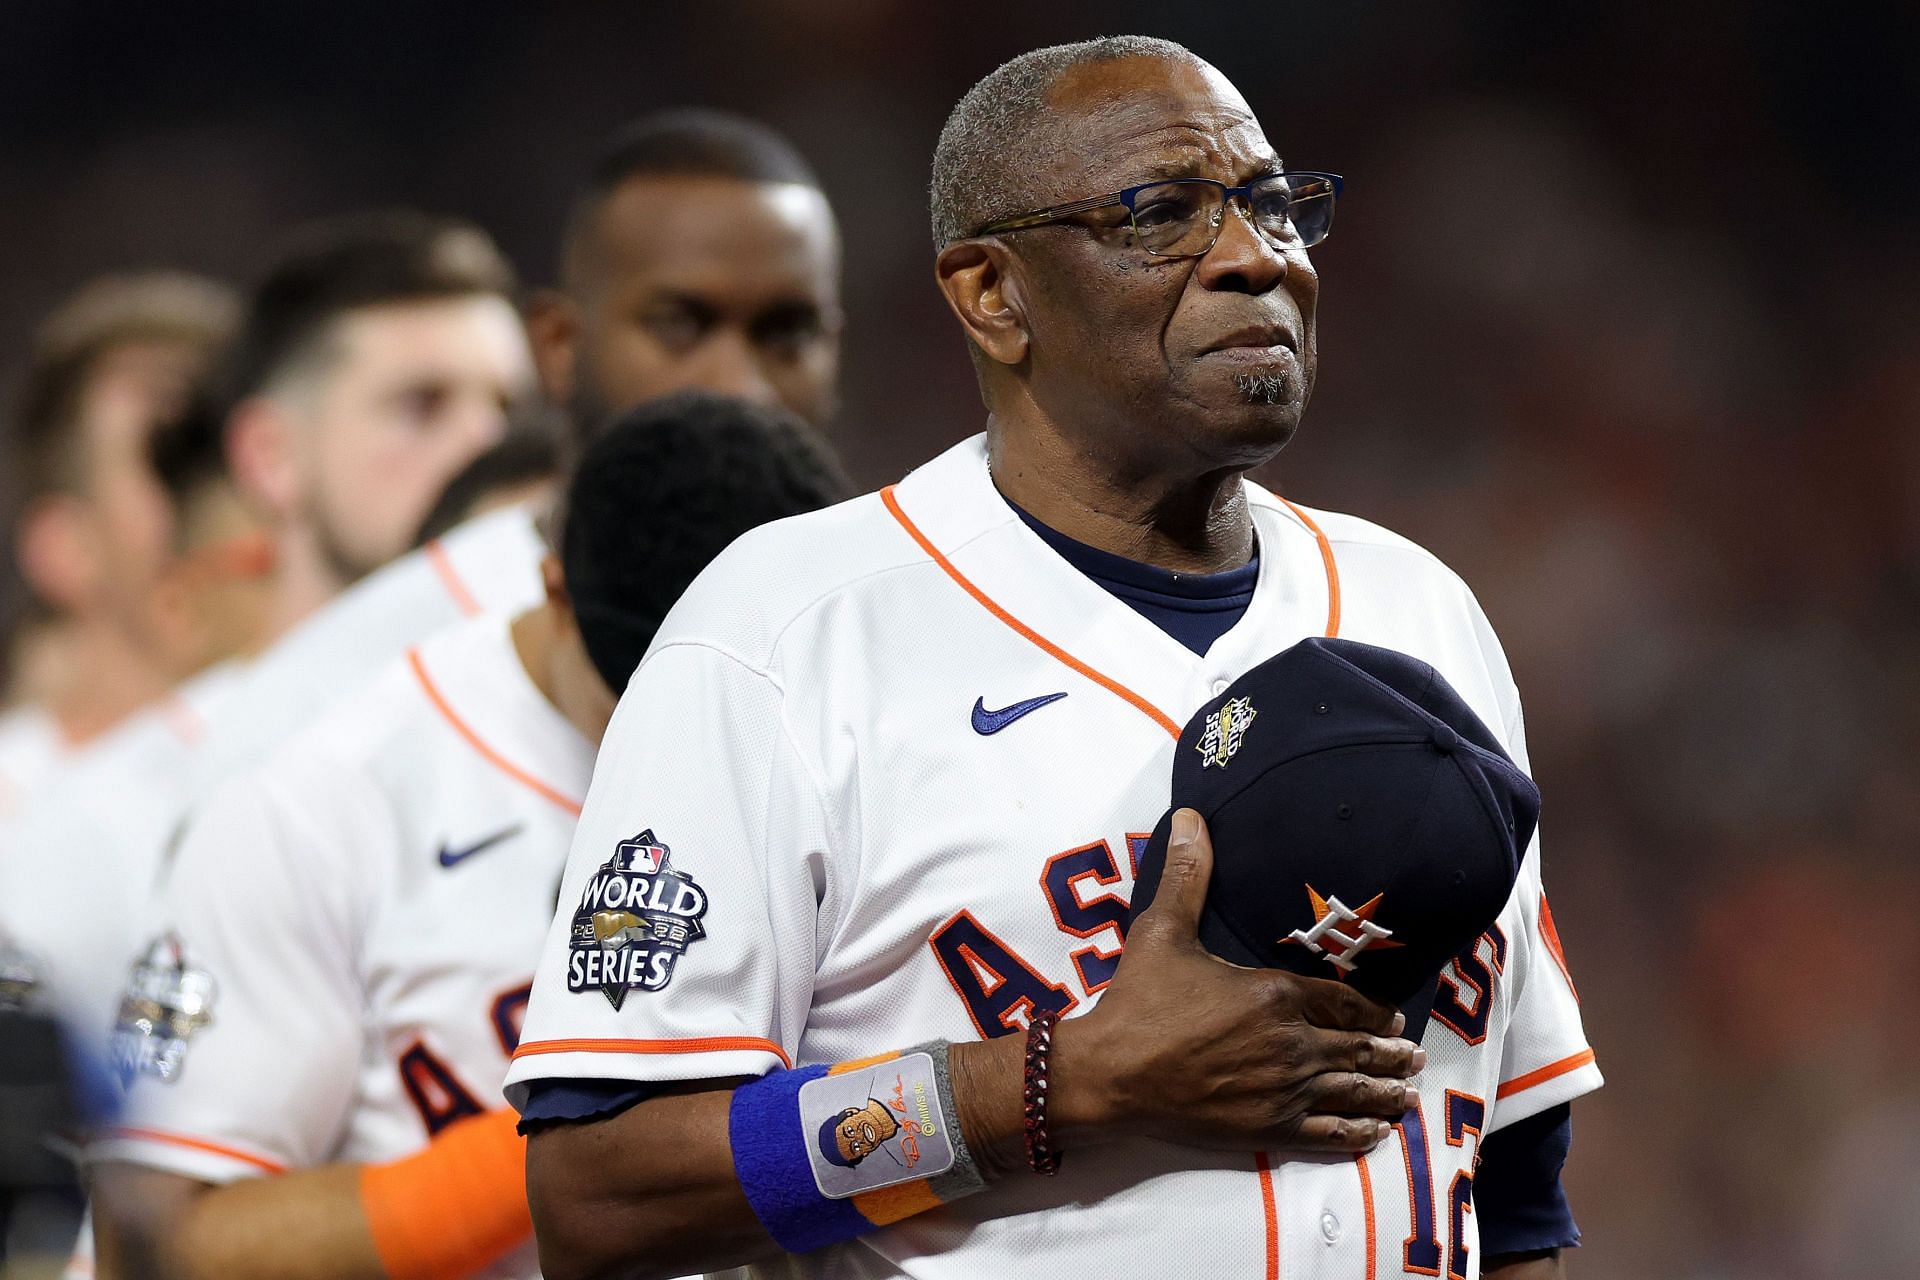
[875, 1127]
[637, 916]
[167, 1001]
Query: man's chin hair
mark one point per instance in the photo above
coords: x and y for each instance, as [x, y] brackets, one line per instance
[1263, 386]
[346, 566]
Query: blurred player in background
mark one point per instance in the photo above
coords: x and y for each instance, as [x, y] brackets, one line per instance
[700, 253]
[380, 357]
[376, 358]
[92, 529]
[81, 844]
[356, 978]
[90, 839]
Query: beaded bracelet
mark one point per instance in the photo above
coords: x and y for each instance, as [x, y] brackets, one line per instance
[1041, 1157]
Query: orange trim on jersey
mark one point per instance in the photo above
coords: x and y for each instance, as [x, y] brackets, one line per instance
[1366, 1207]
[487, 753]
[450, 579]
[1550, 934]
[841, 1068]
[1271, 1211]
[1333, 568]
[1020, 628]
[707, 1044]
[201, 1144]
[1552, 1071]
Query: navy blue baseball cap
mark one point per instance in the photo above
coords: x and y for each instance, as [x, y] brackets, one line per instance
[1366, 825]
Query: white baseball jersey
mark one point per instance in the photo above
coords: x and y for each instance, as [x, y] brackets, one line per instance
[78, 862]
[31, 749]
[490, 564]
[88, 846]
[355, 924]
[845, 857]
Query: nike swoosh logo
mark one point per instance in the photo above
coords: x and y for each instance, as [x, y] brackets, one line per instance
[985, 721]
[454, 857]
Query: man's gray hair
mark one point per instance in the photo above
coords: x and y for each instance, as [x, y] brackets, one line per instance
[982, 164]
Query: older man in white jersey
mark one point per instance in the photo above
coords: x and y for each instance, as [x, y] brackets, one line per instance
[336, 1002]
[879, 787]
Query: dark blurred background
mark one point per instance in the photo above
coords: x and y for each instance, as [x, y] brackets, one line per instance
[1619, 318]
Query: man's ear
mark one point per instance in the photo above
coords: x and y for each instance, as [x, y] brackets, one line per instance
[980, 286]
[263, 456]
[553, 330]
[57, 552]
[554, 582]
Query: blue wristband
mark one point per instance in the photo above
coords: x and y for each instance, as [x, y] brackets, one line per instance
[825, 1154]
[770, 1157]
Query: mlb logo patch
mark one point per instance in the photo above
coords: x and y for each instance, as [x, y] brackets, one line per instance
[642, 853]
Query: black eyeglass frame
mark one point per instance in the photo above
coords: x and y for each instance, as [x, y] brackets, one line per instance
[1062, 212]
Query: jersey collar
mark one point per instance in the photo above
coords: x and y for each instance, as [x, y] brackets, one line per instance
[952, 503]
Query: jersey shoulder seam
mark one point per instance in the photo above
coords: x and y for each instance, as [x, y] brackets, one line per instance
[919, 560]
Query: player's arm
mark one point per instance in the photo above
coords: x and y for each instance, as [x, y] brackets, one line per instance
[1182, 1047]
[1544, 1265]
[446, 1211]
[151, 1223]
[225, 1165]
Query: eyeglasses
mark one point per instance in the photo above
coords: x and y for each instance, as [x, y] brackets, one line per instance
[1182, 217]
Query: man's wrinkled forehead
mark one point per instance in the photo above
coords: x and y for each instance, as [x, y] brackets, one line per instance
[1131, 121]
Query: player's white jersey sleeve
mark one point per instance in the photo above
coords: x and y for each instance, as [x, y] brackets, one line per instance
[248, 996]
[1545, 1059]
[686, 939]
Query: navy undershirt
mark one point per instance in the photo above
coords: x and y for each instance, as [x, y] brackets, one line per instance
[1194, 608]
[1518, 1199]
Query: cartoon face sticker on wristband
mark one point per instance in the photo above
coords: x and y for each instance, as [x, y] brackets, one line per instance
[854, 1134]
[875, 1127]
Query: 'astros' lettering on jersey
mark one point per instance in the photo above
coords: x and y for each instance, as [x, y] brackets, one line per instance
[876, 866]
[349, 931]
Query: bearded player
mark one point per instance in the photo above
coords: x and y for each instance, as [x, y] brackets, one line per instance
[903, 754]
[336, 1008]
[375, 358]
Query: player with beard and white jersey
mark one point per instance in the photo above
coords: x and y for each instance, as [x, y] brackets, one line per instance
[880, 786]
[351, 927]
[373, 359]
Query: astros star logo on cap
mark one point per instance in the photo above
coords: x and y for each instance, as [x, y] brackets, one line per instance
[1349, 930]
